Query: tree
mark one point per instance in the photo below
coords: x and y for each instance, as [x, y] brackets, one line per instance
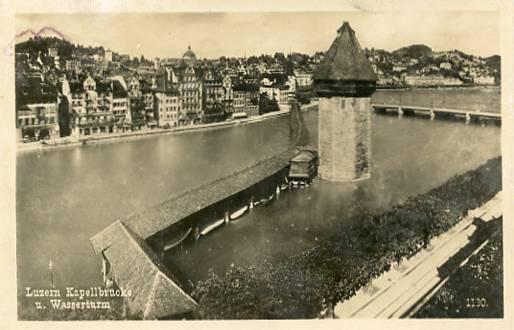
[280, 57]
[266, 105]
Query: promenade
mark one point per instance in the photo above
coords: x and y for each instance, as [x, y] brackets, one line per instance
[403, 290]
[115, 137]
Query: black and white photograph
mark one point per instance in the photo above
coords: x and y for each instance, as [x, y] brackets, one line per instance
[258, 165]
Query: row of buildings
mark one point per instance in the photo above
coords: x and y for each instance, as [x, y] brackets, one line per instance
[451, 68]
[177, 94]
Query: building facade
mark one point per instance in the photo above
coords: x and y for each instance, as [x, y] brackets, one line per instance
[191, 90]
[166, 99]
[213, 109]
[90, 105]
[120, 105]
[36, 109]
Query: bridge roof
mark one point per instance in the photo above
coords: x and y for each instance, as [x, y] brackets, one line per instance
[159, 217]
[156, 292]
[345, 59]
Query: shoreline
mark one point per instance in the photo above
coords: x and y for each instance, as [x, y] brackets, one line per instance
[22, 148]
[407, 88]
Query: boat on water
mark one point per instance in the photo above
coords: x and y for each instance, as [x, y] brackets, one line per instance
[179, 240]
[239, 213]
[211, 227]
[283, 186]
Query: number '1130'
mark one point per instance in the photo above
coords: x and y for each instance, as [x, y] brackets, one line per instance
[476, 302]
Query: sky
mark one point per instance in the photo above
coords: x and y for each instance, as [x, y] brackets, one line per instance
[211, 35]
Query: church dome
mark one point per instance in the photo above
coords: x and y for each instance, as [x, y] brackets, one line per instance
[189, 54]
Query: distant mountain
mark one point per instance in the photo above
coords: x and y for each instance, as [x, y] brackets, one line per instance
[415, 51]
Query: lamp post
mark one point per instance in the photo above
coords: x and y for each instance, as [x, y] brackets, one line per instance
[51, 268]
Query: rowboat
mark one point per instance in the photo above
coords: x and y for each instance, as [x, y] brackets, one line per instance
[211, 227]
[239, 213]
[171, 245]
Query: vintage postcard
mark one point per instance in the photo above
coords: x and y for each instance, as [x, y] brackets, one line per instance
[260, 164]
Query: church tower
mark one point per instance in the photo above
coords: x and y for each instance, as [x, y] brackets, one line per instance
[344, 82]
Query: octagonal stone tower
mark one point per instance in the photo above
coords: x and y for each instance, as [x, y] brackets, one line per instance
[344, 82]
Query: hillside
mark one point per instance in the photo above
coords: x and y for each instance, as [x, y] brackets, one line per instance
[414, 51]
[65, 48]
[493, 62]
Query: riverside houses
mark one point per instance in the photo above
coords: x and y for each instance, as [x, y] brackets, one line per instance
[190, 88]
[36, 108]
[228, 94]
[137, 104]
[213, 93]
[120, 104]
[277, 87]
[246, 99]
[90, 105]
[148, 103]
[166, 99]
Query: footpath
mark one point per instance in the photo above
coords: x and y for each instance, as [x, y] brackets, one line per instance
[398, 292]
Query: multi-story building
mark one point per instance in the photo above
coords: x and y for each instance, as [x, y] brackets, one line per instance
[190, 88]
[36, 109]
[280, 89]
[73, 65]
[90, 106]
[108, 55]
[120, 104]
[484, 80]
[303, 78]
[151, 115]
[238, 102]
[213, 109]
[164, 95]
[228, 94]
[283, 94]
[136, 104]
[432, 80]
[246, 99]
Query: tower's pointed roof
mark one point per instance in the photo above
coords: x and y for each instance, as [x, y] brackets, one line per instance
[345, 60]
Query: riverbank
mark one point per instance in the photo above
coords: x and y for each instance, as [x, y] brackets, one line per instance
[475, 290]
[405, 88]
[402, 290]
[129, 136]
[303, 285]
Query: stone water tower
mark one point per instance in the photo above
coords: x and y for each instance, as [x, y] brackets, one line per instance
[344, 82]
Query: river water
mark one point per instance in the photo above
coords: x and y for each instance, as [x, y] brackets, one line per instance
[65, 196]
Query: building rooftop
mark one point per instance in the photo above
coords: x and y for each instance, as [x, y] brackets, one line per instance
[33, 89]
[161, 216]
[156, 292]
[345, 59]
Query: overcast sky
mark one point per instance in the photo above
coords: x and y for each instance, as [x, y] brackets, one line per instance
[229, 34]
